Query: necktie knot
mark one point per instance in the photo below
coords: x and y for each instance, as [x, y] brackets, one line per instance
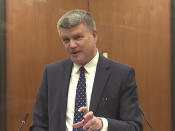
[82, 72]
[82, 69]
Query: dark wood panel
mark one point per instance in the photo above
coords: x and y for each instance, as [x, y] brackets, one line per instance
[2, 66]
[173, 62]
[138, 33]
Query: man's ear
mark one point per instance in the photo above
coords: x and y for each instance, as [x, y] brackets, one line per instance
[95, 36]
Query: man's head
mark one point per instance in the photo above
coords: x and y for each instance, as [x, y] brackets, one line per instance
[77, 31]
[75, 17]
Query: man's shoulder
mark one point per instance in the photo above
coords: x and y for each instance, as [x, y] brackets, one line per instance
[115, 64]
[120, 65]
[60, 64]
[119, 69]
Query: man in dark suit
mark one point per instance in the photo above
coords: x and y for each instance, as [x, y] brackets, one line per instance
[110, 87]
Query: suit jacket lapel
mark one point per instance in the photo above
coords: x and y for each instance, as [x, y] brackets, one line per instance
[65, 85]
[101, 77]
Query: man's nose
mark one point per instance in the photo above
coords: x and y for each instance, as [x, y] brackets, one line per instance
[72, 44]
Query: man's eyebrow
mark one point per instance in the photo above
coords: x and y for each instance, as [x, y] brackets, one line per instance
[64, 37]
[78, 34]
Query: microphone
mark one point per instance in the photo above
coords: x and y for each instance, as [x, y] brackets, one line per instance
[23, 121]
[143, 114]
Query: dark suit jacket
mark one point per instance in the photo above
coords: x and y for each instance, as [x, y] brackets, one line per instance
[112, 97]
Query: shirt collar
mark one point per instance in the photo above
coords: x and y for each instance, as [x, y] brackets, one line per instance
[89, 67]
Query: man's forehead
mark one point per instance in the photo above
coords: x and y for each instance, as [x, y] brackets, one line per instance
[81, 25]
[74, 30]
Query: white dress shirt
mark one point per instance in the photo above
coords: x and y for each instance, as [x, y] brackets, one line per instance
[90, 75]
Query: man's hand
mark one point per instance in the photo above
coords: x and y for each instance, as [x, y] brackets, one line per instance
[90, 122]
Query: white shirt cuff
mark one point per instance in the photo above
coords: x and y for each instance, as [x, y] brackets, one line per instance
[105, 124]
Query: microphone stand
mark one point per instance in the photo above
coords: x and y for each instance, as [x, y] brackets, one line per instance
[23, 121]
[144, 116]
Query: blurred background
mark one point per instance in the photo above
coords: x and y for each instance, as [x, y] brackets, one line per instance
[135, 32]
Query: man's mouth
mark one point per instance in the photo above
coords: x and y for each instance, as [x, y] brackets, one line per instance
[75, 52]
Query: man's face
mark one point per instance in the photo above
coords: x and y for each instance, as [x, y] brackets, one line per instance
[80, 43]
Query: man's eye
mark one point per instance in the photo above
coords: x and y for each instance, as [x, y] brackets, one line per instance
[65, 40]
[78, 37]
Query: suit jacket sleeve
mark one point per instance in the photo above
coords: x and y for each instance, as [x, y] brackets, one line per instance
[129, 116]
[40, 111]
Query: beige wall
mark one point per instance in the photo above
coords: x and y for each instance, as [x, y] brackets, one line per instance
[134, 32]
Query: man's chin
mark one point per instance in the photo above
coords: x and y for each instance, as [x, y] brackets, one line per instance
[77, 61]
